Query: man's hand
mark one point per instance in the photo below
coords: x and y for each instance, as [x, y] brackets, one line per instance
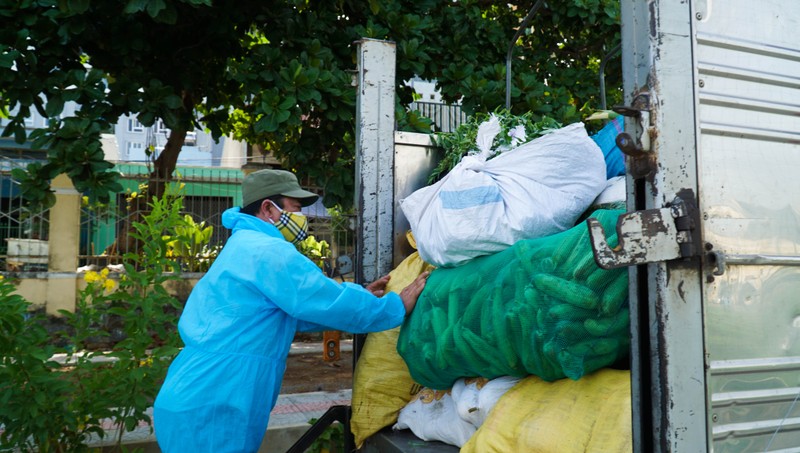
[411, 293]
[378, 287]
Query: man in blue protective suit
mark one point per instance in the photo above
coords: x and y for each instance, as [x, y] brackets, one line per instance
[239, 322]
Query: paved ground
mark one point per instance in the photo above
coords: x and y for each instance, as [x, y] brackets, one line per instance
[307, 371]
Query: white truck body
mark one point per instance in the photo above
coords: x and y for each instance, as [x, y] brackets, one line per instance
[716, 355]
[712, 237]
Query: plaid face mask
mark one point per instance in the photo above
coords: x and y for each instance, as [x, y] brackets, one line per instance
[292, 225]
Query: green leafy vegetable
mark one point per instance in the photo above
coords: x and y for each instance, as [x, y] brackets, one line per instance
[461, 142]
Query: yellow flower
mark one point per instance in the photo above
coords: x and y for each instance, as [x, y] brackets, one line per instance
[109, 285]
[91, 277]
[104, 272]
[147, 362]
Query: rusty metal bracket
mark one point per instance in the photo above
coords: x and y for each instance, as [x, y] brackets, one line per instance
[639, 151]
[646, 236]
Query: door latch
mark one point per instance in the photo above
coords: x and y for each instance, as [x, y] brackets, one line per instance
[646, 236]
[639, 151]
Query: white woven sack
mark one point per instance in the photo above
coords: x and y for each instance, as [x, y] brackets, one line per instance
[432, 415]
[484, 206]
[476, 397]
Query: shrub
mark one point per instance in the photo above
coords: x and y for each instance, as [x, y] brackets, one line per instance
[50, 406]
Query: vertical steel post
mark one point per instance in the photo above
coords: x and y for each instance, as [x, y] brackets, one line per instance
[668, 371]
[375, 158]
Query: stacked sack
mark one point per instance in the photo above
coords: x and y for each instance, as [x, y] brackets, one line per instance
[517, 299]
[382, 384]
[540, 307]
[489, 201]
[454, 415]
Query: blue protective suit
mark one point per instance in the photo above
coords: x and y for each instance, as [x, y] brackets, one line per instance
[237, 327]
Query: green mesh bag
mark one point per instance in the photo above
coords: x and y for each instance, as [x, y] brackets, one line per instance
[540, 307]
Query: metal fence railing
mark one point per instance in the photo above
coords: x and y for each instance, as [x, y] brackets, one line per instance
[104, 230]
[445, 117]
[340, 235]
[23, 233]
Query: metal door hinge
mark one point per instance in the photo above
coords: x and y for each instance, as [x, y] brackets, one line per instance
[646, 236]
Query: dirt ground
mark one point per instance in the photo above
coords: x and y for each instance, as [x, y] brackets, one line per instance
[311, 373]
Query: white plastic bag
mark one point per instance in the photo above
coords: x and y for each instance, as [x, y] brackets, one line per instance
[432, 415]
[484, 206]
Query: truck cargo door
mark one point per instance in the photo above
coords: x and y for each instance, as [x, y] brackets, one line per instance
[713, 233]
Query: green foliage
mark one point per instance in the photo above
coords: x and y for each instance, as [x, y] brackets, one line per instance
[35, 398]
[45, 406]
[189, 243]
[316, 251]
[462, 141]
[412, 120]
[278, 73]
[330, 441]
[98, 210]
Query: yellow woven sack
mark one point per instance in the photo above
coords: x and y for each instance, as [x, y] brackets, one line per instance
[382, 384]
[592, 414]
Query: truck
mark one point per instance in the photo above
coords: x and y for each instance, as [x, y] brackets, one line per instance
[711, 236]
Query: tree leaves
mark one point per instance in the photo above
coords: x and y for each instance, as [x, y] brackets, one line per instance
[78, 6]
[278, 73]
[135, 6]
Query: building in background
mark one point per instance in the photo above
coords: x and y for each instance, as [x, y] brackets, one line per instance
[445, 117]
[133, 140]
[211, 171]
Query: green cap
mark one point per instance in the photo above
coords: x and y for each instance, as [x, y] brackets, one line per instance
[267, 183]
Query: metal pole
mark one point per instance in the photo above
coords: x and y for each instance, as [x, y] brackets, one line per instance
[375, 158]
[607, 57]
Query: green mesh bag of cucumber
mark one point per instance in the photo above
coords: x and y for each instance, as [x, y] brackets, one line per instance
[540, 307]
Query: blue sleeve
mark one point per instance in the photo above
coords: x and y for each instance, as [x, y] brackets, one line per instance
[304, 326]
[300, 289]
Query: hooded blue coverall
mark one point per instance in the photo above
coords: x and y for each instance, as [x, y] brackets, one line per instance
[237, 328]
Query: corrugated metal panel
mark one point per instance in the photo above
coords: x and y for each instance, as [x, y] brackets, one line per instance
[723, 79]
[748, 69]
